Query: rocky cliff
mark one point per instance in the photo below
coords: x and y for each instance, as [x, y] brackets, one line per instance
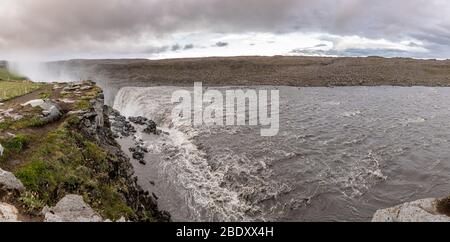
[63, 161]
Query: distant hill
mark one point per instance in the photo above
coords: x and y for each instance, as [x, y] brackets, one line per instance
[278, 70]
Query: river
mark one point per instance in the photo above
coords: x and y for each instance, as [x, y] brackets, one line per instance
[340, 154]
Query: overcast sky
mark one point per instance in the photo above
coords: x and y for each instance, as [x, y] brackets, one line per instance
[63, 29]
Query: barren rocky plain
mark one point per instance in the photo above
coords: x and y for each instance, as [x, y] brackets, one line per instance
[278, 70]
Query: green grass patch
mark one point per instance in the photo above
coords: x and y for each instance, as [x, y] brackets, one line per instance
[67, 163]
[83, 105]
[12, 89]
[13, 146]
[44, 95]
[26, 122]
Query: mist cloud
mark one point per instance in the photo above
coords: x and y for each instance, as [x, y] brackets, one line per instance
[123, 27]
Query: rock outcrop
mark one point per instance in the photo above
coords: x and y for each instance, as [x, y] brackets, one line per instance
[50, 110]
[8, 213]
[71, 208]
[10, 187]
[96, 125]
[9, 182]
[424, 210]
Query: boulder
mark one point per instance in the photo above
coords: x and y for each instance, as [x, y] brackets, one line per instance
[418, 211]
[50, 110]
[151, 128]
[138, 120]
[8, 213]
[71, 208]
[9, 182]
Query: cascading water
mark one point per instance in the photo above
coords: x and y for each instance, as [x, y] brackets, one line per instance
[341, 153]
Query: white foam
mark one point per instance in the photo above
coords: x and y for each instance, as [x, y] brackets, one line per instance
[181, 159]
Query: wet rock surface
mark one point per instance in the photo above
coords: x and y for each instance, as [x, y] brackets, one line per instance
[120, 126]
[150, 125]
[123, 127]
[104, 132]
[138, 152]
[424, 210]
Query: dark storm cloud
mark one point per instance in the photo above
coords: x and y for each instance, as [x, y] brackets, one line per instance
[86, 23]
[221, 44]
[188, 47]
[104, 25]
[176, 47]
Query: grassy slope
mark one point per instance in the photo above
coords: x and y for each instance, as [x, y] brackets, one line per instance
[57, 161]
[12, 85]
[66, 162]
[12, 89]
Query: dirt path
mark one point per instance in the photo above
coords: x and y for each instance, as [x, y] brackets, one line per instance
[48, 88]
[18, 161]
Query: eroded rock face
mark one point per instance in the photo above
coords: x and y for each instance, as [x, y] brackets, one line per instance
[418, 211]
[9, 182]
[8, 213]
[71, 208]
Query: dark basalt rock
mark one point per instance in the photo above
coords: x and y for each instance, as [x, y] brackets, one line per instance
[138, 120]
[100, 130]
[120, 125]
[138, 153]
[151, 128]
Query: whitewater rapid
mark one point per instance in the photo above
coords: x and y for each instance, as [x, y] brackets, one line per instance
[341, 154]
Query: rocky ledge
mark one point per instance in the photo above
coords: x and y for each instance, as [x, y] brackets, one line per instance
[65, 163]
[424, 210]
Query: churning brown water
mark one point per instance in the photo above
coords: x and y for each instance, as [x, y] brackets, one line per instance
[341, 154]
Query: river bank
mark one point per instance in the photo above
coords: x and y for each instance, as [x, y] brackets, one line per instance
[63, 163]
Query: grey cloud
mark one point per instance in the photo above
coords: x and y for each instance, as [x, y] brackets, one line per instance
[104, 25]
[85, 24]
[176, 47]
[188, 46]
[221, 44]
